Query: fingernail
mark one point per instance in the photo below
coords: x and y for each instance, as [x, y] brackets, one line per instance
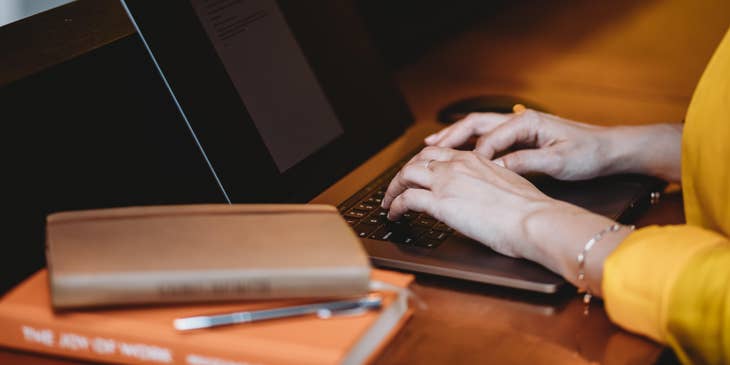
[518, 108]
[499, 162]
[431, 138]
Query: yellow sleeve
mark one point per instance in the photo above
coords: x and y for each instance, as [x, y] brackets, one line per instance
[672, 284]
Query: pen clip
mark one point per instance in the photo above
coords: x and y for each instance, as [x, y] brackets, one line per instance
[361, 308]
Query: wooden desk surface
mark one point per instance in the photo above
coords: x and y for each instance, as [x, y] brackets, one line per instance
[605, 62]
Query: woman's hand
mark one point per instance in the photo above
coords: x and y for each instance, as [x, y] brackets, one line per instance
[566, 149]
[471, 194]
[497, 207]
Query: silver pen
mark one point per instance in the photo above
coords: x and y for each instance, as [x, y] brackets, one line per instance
[321, 309]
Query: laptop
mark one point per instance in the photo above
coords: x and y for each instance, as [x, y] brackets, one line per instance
[287, 101]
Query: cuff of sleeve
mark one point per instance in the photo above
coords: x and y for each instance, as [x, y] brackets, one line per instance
[639, 275]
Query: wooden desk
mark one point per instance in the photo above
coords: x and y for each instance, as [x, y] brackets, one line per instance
[618, 62]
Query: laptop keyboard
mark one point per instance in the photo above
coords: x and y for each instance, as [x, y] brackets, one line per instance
[363, 213]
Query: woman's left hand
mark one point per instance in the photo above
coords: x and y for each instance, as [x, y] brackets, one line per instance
[471, 194]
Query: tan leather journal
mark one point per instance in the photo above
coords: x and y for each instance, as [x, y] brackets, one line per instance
[202, 253]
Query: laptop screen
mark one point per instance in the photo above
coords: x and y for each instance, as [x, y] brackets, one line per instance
[272, 77]
[282, 97]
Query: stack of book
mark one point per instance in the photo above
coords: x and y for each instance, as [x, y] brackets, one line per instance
[129, 262]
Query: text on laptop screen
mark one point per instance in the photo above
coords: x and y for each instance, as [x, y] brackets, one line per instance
[272, 77]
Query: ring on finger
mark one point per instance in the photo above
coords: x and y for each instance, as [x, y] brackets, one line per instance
[428, 163]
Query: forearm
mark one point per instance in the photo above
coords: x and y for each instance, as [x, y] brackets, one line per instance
[648, 149]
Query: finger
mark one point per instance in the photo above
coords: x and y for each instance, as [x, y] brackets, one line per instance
[530, 161]
[433, 138]
[431, 153]
[473, 124]
[457, 133]
[519, 130]
[418, 200]
[421, 159]
[413, 175]
[435, 154]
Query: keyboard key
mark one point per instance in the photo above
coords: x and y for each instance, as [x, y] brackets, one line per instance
[417, 231]
[400, 238]
[373, 200]
[412, 234]
[409, 240]
[373, 220]
[427, 242]
[381, 214]
[440, 226]
[436, 235]
[382, 234]
[424, 222]
[363, 230]
[391, 231]
[356, 213]
[365, 206]
[399, 224]
[351, 221]
[410, 216]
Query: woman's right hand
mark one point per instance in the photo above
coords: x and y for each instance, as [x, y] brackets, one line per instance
[565, 149]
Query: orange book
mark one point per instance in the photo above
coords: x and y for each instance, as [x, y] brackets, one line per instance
[145, 335]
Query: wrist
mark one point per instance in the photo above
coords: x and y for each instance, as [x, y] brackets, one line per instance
[596, 257]
[559, 232]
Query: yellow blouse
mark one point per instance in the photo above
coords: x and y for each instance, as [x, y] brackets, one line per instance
[672, 283]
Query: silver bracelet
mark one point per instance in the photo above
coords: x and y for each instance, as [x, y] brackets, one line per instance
[587, 295]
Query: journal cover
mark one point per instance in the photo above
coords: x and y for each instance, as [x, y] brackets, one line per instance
[190, 253]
